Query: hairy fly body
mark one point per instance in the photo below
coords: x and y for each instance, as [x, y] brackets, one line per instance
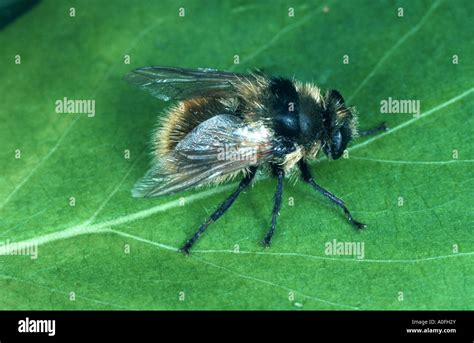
[227, 125]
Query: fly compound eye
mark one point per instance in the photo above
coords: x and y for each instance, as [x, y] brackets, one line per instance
[336, 140]
[335, 148]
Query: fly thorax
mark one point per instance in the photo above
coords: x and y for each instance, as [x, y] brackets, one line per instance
[290, 115]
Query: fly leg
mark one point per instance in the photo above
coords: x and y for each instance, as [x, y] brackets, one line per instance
[220, 211]
[276, 207]
[306, 175]
[382, 127]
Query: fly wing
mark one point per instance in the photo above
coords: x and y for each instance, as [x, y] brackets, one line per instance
[168, 83]
[219, 146]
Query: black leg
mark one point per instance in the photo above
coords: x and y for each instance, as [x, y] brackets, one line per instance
[380, 128]
[306, 174]
[276, 207]
[220, 211]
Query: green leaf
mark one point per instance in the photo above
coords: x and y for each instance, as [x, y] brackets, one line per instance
[405, 183]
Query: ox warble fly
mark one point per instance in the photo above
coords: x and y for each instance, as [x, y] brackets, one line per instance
[228, 125]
